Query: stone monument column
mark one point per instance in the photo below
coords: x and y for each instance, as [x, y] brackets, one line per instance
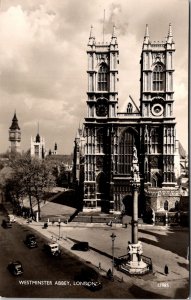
[134, 222]
[135, 264]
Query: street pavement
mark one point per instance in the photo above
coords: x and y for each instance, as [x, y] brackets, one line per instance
[46, 276]
[162, 245]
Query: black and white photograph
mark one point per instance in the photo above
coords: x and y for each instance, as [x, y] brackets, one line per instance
[94, 156]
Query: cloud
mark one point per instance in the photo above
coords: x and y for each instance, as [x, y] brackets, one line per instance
[43, 59]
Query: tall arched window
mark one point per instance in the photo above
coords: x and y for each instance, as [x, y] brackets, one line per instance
[126, 144]
[103, 75]
[156, 140]
[158, 78]
[129, 108]
[100, 138]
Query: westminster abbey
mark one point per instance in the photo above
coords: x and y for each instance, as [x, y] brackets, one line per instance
[104, 147]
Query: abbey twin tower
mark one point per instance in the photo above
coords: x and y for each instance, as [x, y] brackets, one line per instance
[104, 146]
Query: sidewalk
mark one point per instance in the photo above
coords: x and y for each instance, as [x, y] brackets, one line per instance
[157, 282]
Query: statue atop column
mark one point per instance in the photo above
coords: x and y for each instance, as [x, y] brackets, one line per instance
[135, 166]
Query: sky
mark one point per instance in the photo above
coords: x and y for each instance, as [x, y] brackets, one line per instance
[43, 61]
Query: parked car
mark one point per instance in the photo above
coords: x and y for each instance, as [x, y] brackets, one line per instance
[6, 224]
[81, 246]
[90, 277]
[15, 268]
[11, 218]
[52, 249]
[30, 241]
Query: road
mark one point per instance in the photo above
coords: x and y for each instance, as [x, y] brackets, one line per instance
[163, 246]
[40, 267]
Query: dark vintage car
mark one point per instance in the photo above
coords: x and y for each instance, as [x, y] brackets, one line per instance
[81, 246]
[6, 224]
[89, 278]
[30, 241]
[15, 268]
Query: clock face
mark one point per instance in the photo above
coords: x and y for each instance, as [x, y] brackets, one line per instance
[157, 109]
[12, 134]
[101, 110]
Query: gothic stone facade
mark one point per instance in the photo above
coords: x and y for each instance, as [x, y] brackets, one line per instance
[109, 135]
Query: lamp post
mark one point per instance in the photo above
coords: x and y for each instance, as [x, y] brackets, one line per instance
[59, 224]
[113, 236]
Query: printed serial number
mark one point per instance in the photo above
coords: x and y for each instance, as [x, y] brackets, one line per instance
[163, 285]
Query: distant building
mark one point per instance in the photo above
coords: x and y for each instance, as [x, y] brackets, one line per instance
[38, 147]
[78, 159]
[62, 168]
[183, 161]
[55, 151]
[15, 135]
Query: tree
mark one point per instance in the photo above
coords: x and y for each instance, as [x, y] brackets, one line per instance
[5, 176]
[22, 177]
[42, 180]
[31, 177]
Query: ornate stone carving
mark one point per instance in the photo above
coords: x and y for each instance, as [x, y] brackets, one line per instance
[154, 161]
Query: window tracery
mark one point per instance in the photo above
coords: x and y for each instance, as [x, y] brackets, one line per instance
[103, 82]
[125, 158]
[158, 78]
[129, 108]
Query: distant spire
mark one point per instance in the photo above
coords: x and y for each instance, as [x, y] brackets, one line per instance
[114, 32]
[147, 31]
[146, 37]
[170, 30]
[170, 36]
[91, 37]
[114, 36]
[14, 124]
[55, 147]
[91, 32]
[38, 135]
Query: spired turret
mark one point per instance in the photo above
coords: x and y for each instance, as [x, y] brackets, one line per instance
[91, 37]
[114, 36]
[146, 37]
[14, 135]
[170, 36]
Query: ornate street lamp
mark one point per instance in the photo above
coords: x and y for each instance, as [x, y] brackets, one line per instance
[113, 236]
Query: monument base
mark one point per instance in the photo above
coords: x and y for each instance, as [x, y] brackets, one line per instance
[134, 264]
[135, 268]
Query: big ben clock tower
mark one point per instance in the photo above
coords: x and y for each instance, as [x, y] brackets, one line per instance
[14, 135]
